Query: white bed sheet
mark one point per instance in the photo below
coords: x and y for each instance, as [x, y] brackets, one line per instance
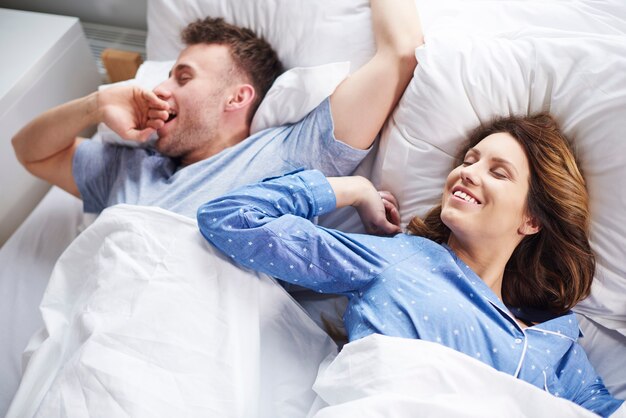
[26, 261]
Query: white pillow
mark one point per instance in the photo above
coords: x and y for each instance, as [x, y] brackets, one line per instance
[296, 92]
[488, 17]
[308, 33]
[303, 33]
[462, 81]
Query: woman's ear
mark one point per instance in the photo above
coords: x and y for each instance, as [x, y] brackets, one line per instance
[242, 97]
[530, 226]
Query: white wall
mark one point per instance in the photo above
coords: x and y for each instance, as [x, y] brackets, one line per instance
[125, 13]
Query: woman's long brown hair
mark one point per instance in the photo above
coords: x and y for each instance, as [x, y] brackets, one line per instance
[552, 269]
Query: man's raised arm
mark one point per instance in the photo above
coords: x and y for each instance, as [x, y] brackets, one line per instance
[46, 145]
[363, 101]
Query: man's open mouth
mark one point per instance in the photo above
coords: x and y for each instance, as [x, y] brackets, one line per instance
[172, 115]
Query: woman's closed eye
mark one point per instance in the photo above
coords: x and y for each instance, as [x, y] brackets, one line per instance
[468, 162]
[500, 174]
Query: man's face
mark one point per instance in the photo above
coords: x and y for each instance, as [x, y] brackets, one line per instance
[196, 91]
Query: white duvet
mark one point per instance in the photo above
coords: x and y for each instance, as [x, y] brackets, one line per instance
[144, 319]
[380, 376]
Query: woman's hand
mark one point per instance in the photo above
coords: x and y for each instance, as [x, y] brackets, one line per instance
[378, 210]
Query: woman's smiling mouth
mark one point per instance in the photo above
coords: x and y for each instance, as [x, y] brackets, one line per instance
[461, 194]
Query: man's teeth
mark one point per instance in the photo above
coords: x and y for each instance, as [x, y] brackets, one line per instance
[171, 116]
[465, 196]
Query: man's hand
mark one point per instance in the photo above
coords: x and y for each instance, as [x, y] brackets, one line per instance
[132, 112]
[46, 145]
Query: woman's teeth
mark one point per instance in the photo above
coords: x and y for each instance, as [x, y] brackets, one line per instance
[464, 196]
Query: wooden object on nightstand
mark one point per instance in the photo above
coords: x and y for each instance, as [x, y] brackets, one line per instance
[120, 65]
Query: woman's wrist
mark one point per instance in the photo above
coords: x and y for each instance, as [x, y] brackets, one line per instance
[349, 190]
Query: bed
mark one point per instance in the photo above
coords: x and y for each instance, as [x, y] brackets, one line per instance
[87, 330]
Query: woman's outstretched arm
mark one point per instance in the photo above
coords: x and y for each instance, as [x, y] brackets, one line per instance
[267, 227]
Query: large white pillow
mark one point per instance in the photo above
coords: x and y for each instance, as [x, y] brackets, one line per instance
[304, 33]
[489, 17]
[308, 33]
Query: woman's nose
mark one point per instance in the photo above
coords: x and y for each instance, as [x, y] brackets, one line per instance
[470, 175]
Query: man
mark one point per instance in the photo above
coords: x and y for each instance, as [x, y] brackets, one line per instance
[202, 116]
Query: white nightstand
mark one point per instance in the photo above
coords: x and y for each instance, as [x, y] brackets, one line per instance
[45, 61]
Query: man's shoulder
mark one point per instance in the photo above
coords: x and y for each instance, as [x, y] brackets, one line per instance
[115, 148]
[95, 152]
[267, 133]
[285, 119]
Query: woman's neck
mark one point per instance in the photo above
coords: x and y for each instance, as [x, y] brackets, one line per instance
[487, 262]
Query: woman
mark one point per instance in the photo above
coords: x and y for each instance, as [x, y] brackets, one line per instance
[493, 271]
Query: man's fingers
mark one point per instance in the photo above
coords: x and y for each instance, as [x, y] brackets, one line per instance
[158, 114]
[154, 100]
[155, 123]
[139, 135]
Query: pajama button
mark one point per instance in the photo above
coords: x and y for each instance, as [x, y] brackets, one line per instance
[518, 341]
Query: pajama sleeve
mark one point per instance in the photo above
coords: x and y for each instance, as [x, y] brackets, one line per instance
[267, 227]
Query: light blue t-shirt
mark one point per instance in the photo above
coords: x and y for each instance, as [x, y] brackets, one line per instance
[108, 174]
[402, 286]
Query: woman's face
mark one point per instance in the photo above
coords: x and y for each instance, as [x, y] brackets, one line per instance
[485, 197]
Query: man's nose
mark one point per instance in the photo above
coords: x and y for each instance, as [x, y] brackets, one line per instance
[162, 91]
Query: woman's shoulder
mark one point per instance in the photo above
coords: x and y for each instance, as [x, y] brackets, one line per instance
[401, 244]
[424, 243]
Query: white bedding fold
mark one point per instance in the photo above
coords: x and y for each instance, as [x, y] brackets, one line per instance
[398, 377]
